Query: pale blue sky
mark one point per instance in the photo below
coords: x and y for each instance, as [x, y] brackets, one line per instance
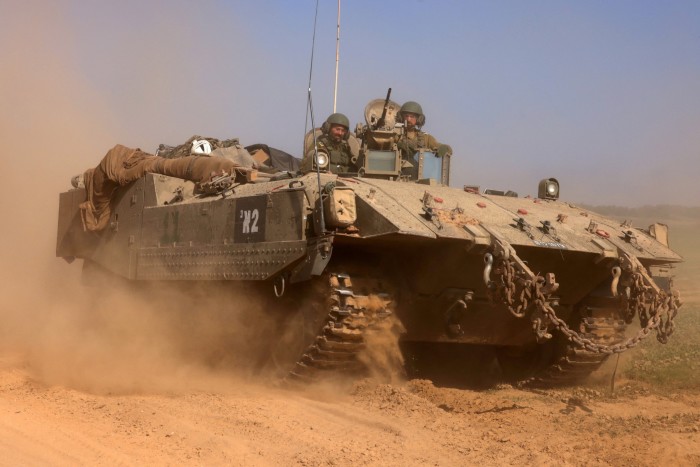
[604, 96]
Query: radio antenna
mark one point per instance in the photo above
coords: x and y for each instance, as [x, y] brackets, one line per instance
[310, 112]
[337, 59]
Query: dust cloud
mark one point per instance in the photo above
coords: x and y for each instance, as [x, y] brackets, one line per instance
[147, 338]
[382, 354]
[109, 339]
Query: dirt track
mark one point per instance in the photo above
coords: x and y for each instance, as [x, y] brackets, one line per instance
[114, 383]
[244, 423]
[110, 382]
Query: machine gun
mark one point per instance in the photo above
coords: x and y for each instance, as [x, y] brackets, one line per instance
[221, 183]
[382, 119]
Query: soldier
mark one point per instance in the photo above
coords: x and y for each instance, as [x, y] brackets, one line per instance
[412, 139]
[334, 140]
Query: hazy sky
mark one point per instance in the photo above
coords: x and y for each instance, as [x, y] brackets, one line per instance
[604, 96]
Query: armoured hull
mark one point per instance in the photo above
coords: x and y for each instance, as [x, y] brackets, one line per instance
[454, 266]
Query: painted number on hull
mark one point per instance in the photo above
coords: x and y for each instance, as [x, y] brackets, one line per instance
[250, 220]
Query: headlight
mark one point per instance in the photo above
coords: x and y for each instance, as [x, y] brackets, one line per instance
[321, 159]
[548, 189]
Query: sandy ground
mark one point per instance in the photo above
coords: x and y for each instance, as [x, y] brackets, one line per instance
[412, 423]
[112, 382]
[117, 381]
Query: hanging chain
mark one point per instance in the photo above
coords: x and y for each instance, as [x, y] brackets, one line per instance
[524, 293]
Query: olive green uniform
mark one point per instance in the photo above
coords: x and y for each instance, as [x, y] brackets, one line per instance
[412, 140]
[340, 155]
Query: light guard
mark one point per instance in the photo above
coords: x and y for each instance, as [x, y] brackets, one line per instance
[548, 189]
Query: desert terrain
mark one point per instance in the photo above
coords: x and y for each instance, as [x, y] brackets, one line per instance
[113, 380]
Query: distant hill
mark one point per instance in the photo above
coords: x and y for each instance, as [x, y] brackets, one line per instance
[647, 214]
[684, 231]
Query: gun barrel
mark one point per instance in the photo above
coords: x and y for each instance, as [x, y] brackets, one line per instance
[382, 119]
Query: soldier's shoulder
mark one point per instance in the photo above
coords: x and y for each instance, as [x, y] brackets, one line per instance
[430, 137]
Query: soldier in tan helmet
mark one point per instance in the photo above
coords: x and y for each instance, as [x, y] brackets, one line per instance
[334, 144]
[413, 138]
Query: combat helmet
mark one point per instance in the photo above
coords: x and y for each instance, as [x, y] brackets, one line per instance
[414, 108]
[336, 119]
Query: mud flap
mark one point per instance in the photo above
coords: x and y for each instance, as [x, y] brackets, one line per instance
[318, 255]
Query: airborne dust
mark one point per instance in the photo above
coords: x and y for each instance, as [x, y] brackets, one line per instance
[104, 340]
[114, 338]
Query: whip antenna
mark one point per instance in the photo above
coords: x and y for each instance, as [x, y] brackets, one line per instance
[310, 112]
[337, 58]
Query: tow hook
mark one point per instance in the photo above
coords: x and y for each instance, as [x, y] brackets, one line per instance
[616, 272]
[279, 285]
[454, 313]
[488, 264]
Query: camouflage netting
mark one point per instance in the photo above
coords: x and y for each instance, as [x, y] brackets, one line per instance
[122, 165]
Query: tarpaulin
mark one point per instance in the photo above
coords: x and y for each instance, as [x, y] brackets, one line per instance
[122, 165]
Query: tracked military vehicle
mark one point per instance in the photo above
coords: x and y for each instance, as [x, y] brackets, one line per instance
[551, 287]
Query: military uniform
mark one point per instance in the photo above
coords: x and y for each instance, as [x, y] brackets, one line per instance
[334, 139]
[339, 153]
[412, 140]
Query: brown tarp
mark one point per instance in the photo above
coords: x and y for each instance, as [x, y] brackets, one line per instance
[122, 165]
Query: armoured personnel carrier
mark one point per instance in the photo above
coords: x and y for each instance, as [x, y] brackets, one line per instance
[549, 286]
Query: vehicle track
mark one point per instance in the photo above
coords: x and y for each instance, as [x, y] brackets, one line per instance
[351, 315]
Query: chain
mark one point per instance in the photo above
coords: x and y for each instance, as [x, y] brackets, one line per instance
[650, 302]
[656, 308]
[655, 321]
[513, 288]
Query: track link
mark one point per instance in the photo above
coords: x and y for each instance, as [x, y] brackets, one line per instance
[336, 348]
[577, 364]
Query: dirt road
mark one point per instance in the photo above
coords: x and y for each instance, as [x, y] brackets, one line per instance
[226, 420]
[114, 383]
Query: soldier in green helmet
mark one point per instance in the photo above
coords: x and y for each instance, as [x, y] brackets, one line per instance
[335, 141]
[413, 138]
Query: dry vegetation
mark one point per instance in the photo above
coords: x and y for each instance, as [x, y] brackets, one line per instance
[677, 364]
